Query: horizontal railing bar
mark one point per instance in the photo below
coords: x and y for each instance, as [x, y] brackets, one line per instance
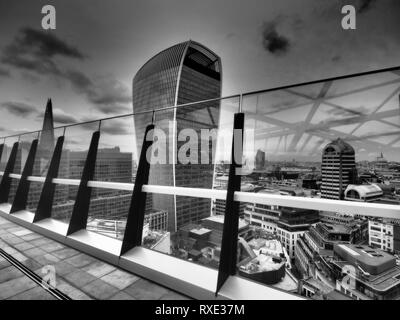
[111, 185]
[340, 206]
[347, 207]
[36, 179]
[71, 182]
[183, 191]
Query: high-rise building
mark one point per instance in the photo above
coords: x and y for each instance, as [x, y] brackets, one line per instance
[260, 160]
[338, 169]
[42, 159]
[46, 142]
[186, 72]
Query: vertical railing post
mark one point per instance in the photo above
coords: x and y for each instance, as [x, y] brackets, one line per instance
[1, 150]
[228, 256]
[21, 195]
[81, 207]
[135, 220]
[6, 180]
[45, 203]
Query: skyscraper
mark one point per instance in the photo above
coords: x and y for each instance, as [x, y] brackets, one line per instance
[183, 73]
[43, 156]
[337, 169]
[260, 160]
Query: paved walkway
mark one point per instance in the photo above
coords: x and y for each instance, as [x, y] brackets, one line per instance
[78, 275]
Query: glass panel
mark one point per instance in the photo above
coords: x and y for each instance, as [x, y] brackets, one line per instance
[343, 144]
[117, 161]
[8, 145]
[63, 203]
[44, 153]
[186, 227]
[331, 140]
[268, 236]
[117, 155]
[73, 157]
[108, 211]
[35, 189]
[24, 146]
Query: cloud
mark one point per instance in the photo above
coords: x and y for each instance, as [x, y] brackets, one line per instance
[4, 132]
[365, 5]
[274, 42]
[116, 128]
[34, 50]
[42, 44]
[108, 94]
[62, 117]
[4, 73]
[19, 108]
[114, 109]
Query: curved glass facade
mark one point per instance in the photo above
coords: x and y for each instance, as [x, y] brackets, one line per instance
[184, 73]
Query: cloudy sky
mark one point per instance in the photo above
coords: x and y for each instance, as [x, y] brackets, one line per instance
[87, 64]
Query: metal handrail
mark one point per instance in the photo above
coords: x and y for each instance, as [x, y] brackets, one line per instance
[341, 206]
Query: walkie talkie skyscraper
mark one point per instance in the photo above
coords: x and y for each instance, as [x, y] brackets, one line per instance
[183, 73]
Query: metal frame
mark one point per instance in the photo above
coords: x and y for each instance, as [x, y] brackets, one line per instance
[1, 150]
[134, 224]
[227, 261]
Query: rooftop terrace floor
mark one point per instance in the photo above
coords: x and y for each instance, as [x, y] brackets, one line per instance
[79, 276]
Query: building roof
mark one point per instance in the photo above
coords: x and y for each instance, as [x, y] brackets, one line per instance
[336, 228]
[220, 219]
[172, 57]
[364, 190]
[338, 146]
[372, 261]
[200, 231]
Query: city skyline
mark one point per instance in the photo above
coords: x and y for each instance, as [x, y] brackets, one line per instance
[309, 205]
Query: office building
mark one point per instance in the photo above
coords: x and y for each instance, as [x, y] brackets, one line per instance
[384, 234]
[260, 160]
[183, 73]
[338, 169]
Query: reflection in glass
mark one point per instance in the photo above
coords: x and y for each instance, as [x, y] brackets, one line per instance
[76, 144]
[193, 232]
[24, 146]
[336, 140]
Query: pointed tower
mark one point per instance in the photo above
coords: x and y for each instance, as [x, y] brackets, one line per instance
[47, 136]
[46, 142]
